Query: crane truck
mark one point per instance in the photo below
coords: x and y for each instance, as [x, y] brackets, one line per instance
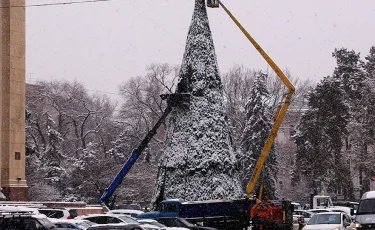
[222, 214]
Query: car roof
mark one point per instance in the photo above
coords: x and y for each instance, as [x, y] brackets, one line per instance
[92, 215]
[303, 211]
[118, 225]
[54, 220]
[126, 211]
[328, 213]
[57, 209]
[146, 220]
[340, 208]
[368, 195]
[318, 209]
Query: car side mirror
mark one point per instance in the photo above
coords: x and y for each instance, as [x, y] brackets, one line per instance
[352, 213]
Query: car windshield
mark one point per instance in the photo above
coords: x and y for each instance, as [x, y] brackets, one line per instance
[128, 220]
[366, 207]
[325, 219]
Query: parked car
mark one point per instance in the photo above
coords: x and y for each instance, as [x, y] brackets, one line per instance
[298, 222]
[329, 221]
[318, 210]
[116, 227]
[55, 213]
[348, 211]
[160, 225]
[181, 222]
[297, 206]
[19, 209]
[350, 204]
[115, 219]
[72, 224]
[129, 212]
[24, 220]
[306, 214]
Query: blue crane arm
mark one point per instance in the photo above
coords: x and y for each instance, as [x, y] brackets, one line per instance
[172, 101]
[120, 176]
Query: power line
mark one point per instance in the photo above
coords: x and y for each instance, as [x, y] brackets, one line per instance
[56, 4]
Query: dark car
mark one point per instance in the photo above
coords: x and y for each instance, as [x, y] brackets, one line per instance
[181, 222]
[116, 227]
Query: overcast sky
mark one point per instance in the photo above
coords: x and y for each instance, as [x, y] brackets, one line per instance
[103, 44]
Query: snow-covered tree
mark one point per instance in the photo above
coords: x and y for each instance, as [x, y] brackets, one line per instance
[350, 73]
[254, 136]
[53, 156]
[320, 136]
[369, 65]
[362, 124]
[198, 161]
[62, 119]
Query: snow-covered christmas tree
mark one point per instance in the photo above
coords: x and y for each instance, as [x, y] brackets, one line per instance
[254, 136]
[198, 161]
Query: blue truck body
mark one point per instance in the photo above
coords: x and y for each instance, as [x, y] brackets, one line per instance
[221, 214]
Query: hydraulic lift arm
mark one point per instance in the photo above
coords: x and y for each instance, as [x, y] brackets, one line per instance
[281, 111]
[173, 100]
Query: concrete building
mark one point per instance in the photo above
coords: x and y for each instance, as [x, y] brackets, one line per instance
[12, 100]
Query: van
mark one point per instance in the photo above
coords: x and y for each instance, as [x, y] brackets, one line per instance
[365, 216]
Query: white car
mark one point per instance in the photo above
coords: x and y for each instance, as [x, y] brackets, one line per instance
[115, 219]
[306, 214]
[298, 221]
[19, 209]
[346, 210]
[318, 210]
[161, 226]
[71, 224]
[55, 213]
[128, 212]
[330, 221]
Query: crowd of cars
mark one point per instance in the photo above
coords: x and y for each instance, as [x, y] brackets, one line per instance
[336, 218]
[122, 219]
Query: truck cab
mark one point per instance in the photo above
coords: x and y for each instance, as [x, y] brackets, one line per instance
[322, 202]
[169, 208]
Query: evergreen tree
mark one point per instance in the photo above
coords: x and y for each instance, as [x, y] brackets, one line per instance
[52, 156]
[255, 134]
[320, 136]
[369, 66]
[362, 124]
[350, 73]
[198, 161]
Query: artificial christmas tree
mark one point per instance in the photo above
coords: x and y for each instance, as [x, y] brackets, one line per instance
[198, 161]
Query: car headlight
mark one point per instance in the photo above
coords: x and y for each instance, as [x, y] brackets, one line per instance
[357, 225]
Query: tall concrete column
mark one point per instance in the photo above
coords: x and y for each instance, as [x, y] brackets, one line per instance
[12, 100]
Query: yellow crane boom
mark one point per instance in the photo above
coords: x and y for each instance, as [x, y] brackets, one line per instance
[279, 114]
